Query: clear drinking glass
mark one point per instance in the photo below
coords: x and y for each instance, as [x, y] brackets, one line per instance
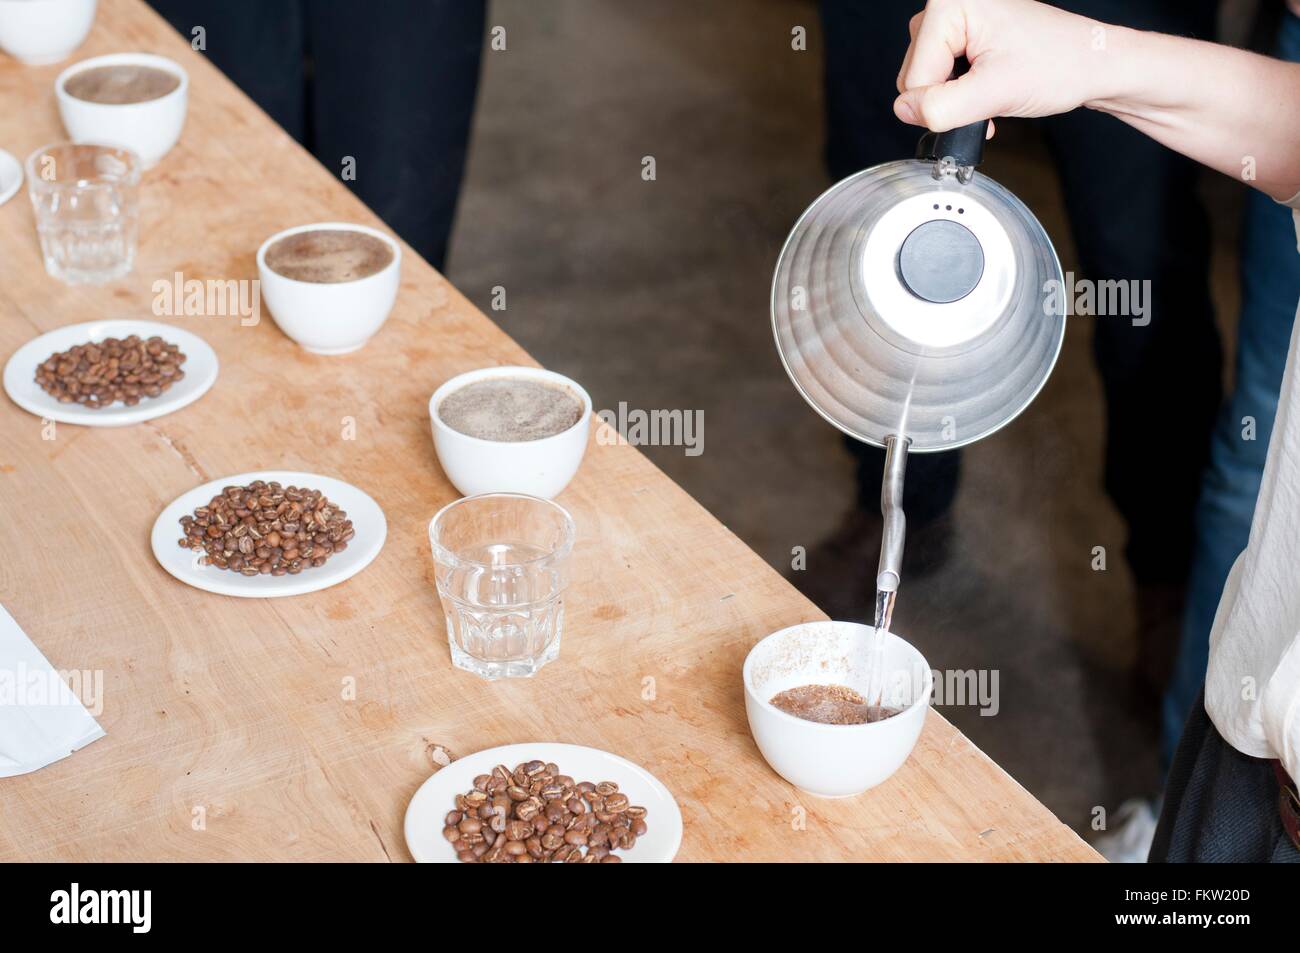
[501, 561]
[87, 204]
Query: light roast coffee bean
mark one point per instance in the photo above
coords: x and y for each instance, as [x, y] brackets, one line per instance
[510, 409]
[121, 84]
[96, 375]
[267, 529]
[535, 814]
[329, 256]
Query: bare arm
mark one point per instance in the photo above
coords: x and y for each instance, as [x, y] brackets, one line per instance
[1234, 111]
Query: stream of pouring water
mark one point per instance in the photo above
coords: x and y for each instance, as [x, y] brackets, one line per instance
[876, 651]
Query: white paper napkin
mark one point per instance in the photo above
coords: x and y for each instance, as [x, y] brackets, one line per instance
[41, 718]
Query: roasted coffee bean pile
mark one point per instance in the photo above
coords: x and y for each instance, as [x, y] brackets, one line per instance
[267, 529]
[126, 369]
[536, 815]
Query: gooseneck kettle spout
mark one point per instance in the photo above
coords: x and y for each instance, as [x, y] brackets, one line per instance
[889, 569]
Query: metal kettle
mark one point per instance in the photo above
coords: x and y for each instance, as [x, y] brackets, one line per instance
[917, 307]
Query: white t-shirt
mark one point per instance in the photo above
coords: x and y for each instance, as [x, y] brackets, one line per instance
[1252, 688]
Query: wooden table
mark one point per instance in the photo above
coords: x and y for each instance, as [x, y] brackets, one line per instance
[228, 733]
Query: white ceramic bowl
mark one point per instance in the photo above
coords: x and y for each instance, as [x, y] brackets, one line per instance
[536, 467]
[834, 760]
[334, 318]
[149, 129]
[39, 32]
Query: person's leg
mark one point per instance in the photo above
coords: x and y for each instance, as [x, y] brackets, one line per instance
[1136, 217]
[394, 89]
[258, 46]
[1270, 287]
[864, 46]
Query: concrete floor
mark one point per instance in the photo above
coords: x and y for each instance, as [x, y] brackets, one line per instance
[656, 293]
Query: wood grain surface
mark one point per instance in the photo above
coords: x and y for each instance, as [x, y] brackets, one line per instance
[232, 711]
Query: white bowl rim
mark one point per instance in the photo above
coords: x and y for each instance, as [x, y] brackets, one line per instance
[923, 698]
[330, 226]
[114, 59]
[508, 370]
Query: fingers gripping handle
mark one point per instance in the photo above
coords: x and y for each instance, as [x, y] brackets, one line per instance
[965, 144]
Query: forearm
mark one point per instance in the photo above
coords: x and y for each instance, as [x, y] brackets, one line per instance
[1234, 111]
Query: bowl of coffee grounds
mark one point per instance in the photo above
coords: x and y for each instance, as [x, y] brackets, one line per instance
[331, 285]
[809, 699]
[134, 100]
[510, 430]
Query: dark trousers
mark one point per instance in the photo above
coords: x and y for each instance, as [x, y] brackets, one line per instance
[389, 84]
[1221, 805]
[1135, 215]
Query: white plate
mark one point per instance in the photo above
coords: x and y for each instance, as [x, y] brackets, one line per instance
[11, 176]
[367, 520]
[425, 813]
[200, 369]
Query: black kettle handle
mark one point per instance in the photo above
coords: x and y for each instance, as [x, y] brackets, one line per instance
[965, 144]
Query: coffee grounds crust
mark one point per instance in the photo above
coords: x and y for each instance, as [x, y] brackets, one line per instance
[329, 256]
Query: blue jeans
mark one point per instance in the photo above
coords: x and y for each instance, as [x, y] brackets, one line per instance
[1270, 289]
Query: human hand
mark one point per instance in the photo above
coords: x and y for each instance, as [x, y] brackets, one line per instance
[1026, 59]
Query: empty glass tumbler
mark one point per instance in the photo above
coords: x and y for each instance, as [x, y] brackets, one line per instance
[501, 561]
[86, 200]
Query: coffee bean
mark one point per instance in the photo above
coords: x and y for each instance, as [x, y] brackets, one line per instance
[518, 830]
[103, 373]
[242, 529]
[531, 814]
